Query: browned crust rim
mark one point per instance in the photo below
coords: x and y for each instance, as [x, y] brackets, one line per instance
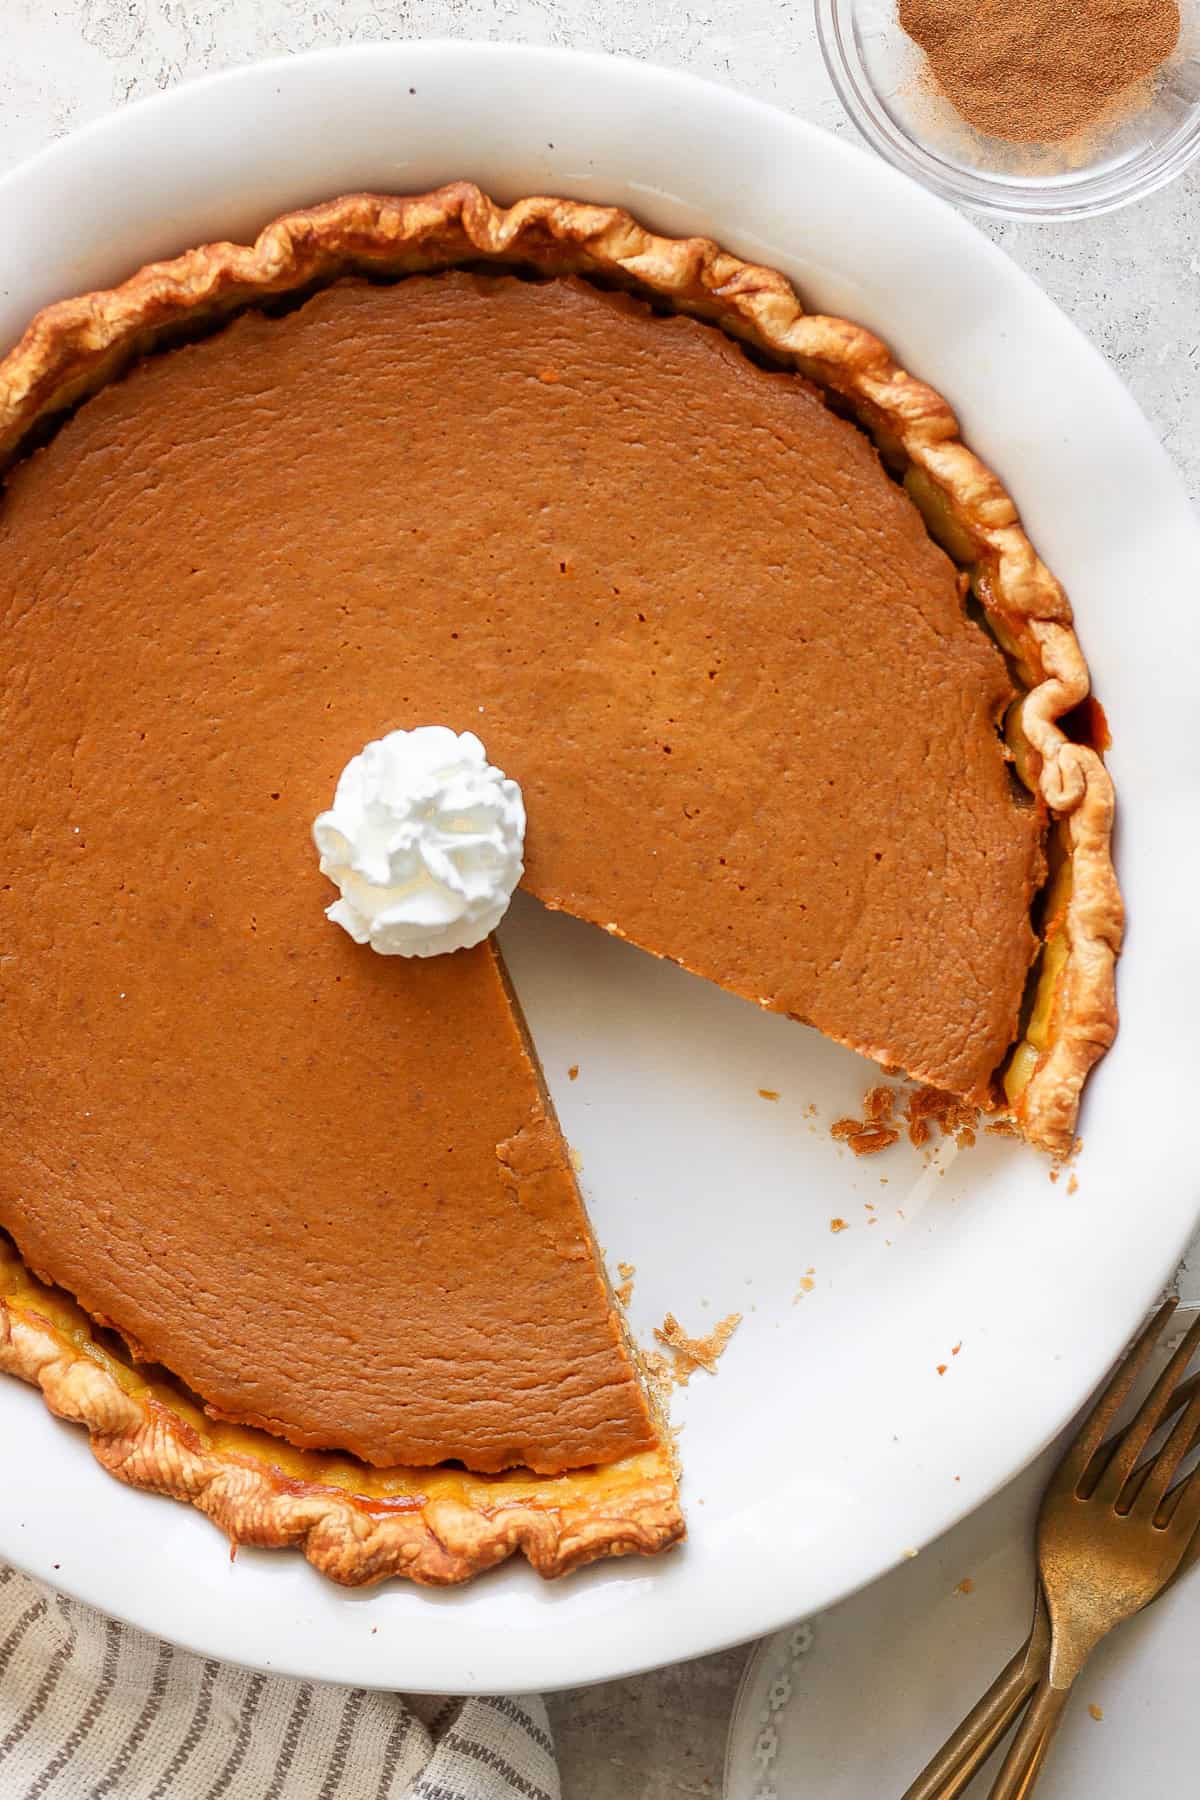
[435, 1527]
[72, 348]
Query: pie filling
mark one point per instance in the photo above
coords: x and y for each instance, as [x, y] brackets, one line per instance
[724, 649]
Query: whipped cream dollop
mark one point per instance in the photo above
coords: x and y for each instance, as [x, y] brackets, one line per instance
[425, 841]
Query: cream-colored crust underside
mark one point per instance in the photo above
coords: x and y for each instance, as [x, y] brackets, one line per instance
[72, 348]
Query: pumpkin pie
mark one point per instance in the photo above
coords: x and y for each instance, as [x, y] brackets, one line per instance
[792, 702]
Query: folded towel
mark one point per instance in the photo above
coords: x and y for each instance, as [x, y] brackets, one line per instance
[90, 1707]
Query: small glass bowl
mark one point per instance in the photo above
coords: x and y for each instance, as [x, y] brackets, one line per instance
[882, 80]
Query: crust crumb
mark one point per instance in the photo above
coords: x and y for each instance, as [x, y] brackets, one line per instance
[1064, 1165]
[573, 1072]
[768, 1093]
[965, 1586]
[1097, 1712]
[626, 1271]
[874, 1131]
[927, 1107]
[863, 1137]
[807, 1284]
[659, 1374]
[836, 1225]
[692, 1353]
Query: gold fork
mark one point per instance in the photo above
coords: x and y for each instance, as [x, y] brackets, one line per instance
[1108, 1542]
[1104, 1464]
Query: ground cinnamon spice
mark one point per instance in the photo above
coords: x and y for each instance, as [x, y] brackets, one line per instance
[1039, 71]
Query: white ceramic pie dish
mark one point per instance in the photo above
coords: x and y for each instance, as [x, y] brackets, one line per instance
[828, 1445]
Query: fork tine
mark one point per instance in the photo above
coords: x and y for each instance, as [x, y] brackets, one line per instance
[1149, 1416]
[1163, 1466]
[1137, 1478]
[1091, 1435]
[1180, 1512]
[1183, 1394]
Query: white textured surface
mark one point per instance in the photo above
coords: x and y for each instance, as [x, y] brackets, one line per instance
[1131, 281]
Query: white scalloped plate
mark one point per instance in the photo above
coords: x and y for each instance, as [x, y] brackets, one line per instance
[828, 1444]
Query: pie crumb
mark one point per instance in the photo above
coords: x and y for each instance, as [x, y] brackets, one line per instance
[1055, 1173]
[965, 1586]
[624, 1293]
[1097, 1712]
[573, 1072]
[658, 1372]
[691, 1353]
[879, 1127]
[807, 1284]
[1073, 1184]
[864, 1137]
[927, 1107]
[576, 1159]
[878, 1103]
[768, 1093]
[838, 1225]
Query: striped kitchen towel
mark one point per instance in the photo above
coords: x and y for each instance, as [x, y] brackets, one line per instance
[90, 1708]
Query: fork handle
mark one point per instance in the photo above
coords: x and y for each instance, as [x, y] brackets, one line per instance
[1027, 1752]
[966, 1750]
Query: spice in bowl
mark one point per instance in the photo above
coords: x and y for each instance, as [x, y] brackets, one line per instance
[1041, 71]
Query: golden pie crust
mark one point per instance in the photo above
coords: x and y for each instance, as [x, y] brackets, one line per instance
[440, 1526]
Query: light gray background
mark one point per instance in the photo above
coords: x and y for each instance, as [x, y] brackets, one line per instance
[1131, 281]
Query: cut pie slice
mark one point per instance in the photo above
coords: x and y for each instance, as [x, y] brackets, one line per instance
[719, 636]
